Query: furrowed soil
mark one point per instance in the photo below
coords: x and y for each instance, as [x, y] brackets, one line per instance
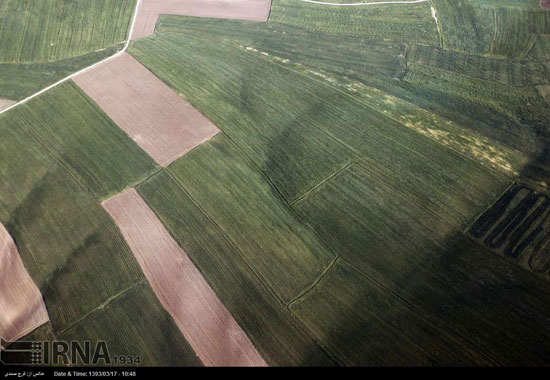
[254, 10]
[22, 308]
[154, 116]
[201, 317]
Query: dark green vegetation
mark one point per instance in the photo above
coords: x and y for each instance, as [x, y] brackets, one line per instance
[21, 80]
[386, 146]
[42, 41]
[517, 226]
[501, 28]
[357, 146]
[40, 31]
[78, 134]
[49, 188]
[253, 304]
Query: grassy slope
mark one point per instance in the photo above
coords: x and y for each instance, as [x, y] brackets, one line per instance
[65, 121]
[18, 80]
[40, 31]
[294, 119]
[280, 339]
[404, 182]
[42, 41]
[72, 249]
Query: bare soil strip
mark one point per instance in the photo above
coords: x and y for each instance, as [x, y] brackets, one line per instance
[201, 317]
[22, 307]
[154, 116]
[5, 103]
[254, 10]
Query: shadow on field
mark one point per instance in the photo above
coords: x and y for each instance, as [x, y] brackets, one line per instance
[475, 307]
[463, 305]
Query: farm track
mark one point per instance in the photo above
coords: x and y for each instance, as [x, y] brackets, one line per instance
[129, 39]
[61, 81]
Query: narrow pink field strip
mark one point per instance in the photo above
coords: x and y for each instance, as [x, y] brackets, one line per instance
[204, 321]
[253, 10]
[22, 307]
[154, 116]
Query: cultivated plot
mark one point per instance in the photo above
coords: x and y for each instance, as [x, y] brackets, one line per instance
[22, 308]
[255, 10]
[199, 314]
[518, 226]
[154, 116]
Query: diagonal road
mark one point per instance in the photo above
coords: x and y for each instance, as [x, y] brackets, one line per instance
[80, 71]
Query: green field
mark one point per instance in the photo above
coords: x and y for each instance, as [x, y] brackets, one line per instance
[72, 249]
[43, 41]
[40, 31]
[388, 161]
[341, 213]
[83, 139]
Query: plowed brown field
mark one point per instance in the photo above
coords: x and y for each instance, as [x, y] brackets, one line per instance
[22, 307]
[254, 10]
[201, 317]
[154, 116]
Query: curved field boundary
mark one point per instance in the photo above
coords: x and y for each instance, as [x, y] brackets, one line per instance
[61, 81]
[359, 4]
[22, 307]
[202, 318]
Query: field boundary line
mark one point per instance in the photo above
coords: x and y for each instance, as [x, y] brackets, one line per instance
[103, 305]
[67, 78]
[358, 155]
[438, 25]
[314, 284]
[225, 236]
[489, 206]
[292, 318]
[359, 4]
[319, 184]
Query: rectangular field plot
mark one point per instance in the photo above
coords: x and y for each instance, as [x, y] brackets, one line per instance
[255, 10]
[76, 133]
[201, 317]
[153, 115]
[22, 308]
[260, 314]
[250, 212]
[518, 226]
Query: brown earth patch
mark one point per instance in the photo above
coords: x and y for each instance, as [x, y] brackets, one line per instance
[154, 116]
[149, 11]
[545, 4]
[5, 103]
[22, 307]
[204, 321]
